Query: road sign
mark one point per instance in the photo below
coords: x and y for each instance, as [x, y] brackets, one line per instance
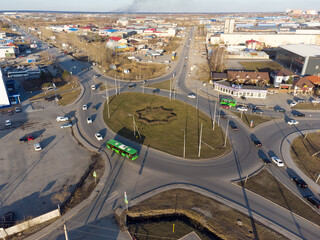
[125, 197]
[94, 174]
[251, 123]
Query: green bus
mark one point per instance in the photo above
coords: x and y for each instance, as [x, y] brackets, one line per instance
[122, 149]
[229, 102]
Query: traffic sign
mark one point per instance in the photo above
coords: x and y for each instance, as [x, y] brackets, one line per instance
[94, 174]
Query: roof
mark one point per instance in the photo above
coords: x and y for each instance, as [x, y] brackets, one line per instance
[233, 75]
[304, 50]
[303, 83]
[284, 72]
[245, 87]
[220, 76]
[190, 236]
[122, 146]
[314, 79]
[116, 39]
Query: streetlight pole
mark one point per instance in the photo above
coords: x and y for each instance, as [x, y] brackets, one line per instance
[200, 140]
[107, 97]
[184, 143]
[214, 116]
[133, 123]
[225, 140]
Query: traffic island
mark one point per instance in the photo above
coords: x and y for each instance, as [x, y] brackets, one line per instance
[165, 125]
[252, 120]
[267, 186]
[175, 213]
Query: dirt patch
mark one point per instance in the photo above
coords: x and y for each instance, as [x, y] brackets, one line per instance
[224, 222]
[155, 115]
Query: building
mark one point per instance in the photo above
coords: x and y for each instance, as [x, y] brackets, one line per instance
[248, 78]
[248, 91]
[7, 52]
[314, 79]
[4, 99]
[229, 25]
[302, 86]
[281, 76]
[302, 59]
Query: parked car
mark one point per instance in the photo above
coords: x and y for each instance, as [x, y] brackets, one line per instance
[8, 123]
[84, 107]
[156, 91]
[277, 161]
[293, 103]
[257, 142]
[192, 95]
[299, 181]
[257, 111]
[242, 108]
[93, 87]
[298, 114]
[132, 86]
[293, 122]
[280, 110]
[37, 147]
[66, 125]
[89, 120]
[315, 201]
[17, 109]
[223, 115]
[265, 159]
[315, 101]
[26, 139]
[62, 119]
[98, 136]
[301, 101]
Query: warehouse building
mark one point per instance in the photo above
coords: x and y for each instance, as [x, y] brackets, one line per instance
[4, 99]
[303, 59]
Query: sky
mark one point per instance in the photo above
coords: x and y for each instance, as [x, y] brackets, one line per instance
[160, 5]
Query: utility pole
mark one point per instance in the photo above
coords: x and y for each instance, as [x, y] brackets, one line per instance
[219, 113]
[170, 88]
[107, 97]
[65, 231]
[184, 143]
[214, 116]
[133, 124]
[200, 140]
[115, 84]
[225, 140]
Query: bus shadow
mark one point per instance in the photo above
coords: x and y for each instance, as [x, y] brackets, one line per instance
[130, 138]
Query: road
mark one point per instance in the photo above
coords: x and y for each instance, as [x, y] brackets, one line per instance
[154, 169]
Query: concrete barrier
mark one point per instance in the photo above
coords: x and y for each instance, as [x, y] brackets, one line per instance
[30, 223]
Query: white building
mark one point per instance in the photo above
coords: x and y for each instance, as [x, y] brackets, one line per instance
[229, 25]
[7, 52]
[4, 100]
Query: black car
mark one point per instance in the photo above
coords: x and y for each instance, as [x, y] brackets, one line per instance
[132, 86]
[265, 159]
[257, 111]
[315, 201]
[257, 142]
[156, 91]
[299, 114]
[23, 139]
[300, 182]
[233, 126]
[223, 115]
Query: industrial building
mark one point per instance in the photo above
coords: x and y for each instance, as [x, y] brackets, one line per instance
[4, 99]
[303, 59]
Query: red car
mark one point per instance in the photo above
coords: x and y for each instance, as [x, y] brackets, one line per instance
[225, 106]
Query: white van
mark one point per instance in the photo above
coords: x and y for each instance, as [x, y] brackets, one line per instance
[93, 87]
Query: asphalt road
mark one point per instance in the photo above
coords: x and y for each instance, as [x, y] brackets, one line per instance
[154, 169]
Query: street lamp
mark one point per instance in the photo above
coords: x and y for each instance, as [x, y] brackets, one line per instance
[184, 143]
[133, 123]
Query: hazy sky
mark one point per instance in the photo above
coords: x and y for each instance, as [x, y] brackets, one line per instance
[160, 5]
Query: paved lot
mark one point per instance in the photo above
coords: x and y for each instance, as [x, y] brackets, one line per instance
[29, 180]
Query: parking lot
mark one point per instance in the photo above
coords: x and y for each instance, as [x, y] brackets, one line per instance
[35, 182]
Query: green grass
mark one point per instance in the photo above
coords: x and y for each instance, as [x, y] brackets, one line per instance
[201, 210]
[302, 150]
[165, 85]
[261, 66]
[311, 106]
[269, 187]
[168, 137]
[257, 119]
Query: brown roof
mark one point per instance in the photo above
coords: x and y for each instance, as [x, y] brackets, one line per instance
[233, 75]
[303, 83]
[314, 79]
[284, 72]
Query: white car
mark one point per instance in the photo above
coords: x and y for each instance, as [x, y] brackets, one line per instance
[84, 107]
[316, 101]
[8, 123]
[62, 119]
[293, 122]
[98, 136]
[242, 109]
[93, 87]
[277, 161]
[37, 147]
[293, 103]
[66, 125]
[192, 95]
[89, 120]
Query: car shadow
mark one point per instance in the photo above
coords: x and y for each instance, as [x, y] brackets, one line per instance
[93, 117]
[45, 142]
[303, 191]
[37, 134]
